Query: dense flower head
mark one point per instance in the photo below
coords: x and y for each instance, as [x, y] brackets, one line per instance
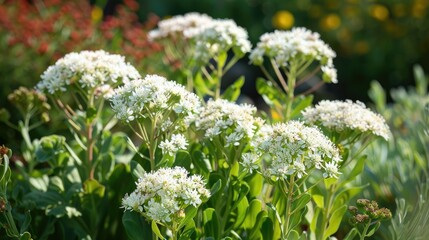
[87, 70]
[154, 95]
[346, 115]
[175, 143]
[291, 148]
[235, 123]
[218, 37]
[180, 26]
[286, 46]
[163, 195]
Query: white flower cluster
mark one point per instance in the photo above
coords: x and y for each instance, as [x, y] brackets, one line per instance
[218, 37]
[164, 194]
[285, 46]
[292, 148]
[210, 36]
[177, 142]
[236, 123]
[154, 95]
[88, 70]
[347, 115]
[182, 26]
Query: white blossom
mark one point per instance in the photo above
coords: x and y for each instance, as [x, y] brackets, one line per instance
[286, 46]
[88, 70]
[181, 26]
[235, 123]
[346, 115]
[164, 194]
[176, 143]
[219, 36]
[154, 95]
[292, 148]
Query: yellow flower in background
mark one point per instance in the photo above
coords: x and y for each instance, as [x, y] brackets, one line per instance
[379, 12]
[283, 19]
[361, 47]
[419, 8]
[331, 22]
[96, 14]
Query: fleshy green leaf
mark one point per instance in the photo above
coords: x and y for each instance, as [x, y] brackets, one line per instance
[335, 220]
[135, 226]
[211, 223]
[233, 91]
[155, 229]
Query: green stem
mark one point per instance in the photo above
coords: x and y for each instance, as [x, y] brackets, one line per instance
[11, 222]
[218, 81]
[326, 212]
[153, 142]
[365, 230]
[291, 77]
[289, 202]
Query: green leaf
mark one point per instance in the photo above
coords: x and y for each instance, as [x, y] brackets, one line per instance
[190, 213]
[25, 236]
[221, 59]
[377, 95]
[373, 229]
[135, 226]
[3, 168]
[40, 183]
[49, 148]
[155, 229]
[345, 195]
[301, 202]
[201, 87]
[255, 207]
[241, 212]
[335, 220]
[271, 95]
[233, 91]
[351, 235]
[26, 223]
[319, 200]
[216, 187]
[188, 230]
[293, 235]
[300, 103]
[93, 194]
[91, 113]
[357, 169]
[183, 159]
[136, 169]
[211, 223]
[243, 189]
[256, 183]
[421, 80]
[259, 221]
[201, 163]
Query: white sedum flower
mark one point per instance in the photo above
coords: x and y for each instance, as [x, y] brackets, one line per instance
[219, 36]
[235, 123]
[163, 195]
[152, 96]
[293, 148]
[176, 143]
[181, 26]
[286, 46]
[88, 70]
[340, 116]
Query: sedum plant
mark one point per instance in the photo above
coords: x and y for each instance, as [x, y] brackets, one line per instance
[194, 164]
[294, 56]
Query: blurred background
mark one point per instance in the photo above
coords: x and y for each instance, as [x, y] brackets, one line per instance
[373, 39]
